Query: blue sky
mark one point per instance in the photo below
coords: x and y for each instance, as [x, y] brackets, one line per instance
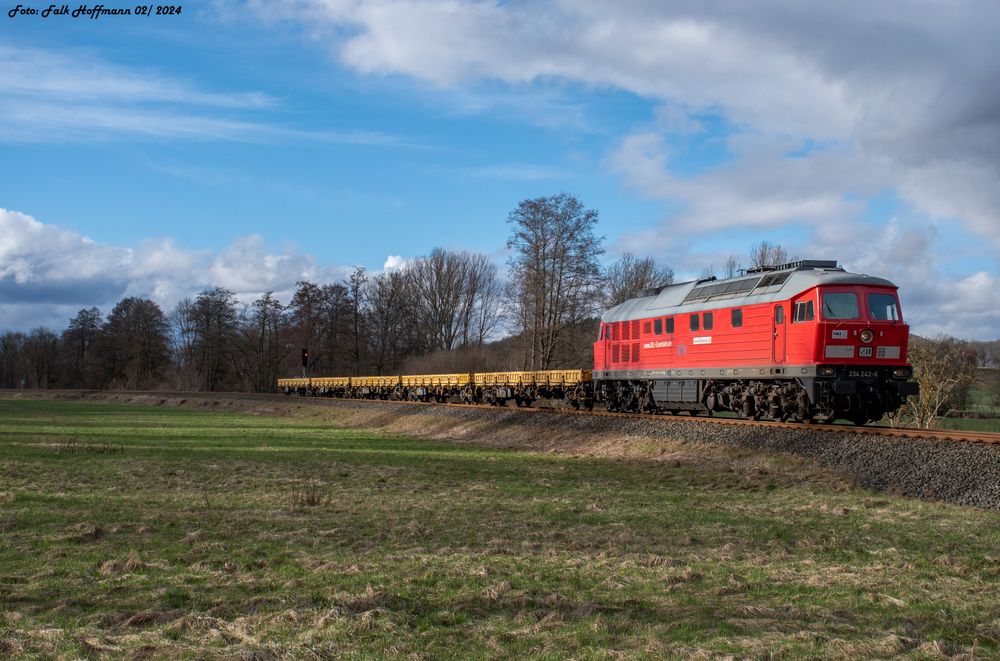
[252, 144]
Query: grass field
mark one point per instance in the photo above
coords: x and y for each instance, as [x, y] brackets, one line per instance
[151, 532]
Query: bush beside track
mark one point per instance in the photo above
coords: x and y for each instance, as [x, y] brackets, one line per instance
[962, 473]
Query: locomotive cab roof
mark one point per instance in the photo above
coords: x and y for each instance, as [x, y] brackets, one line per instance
[758, 285]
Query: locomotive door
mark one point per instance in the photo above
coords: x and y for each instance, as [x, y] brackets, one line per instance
[606, 342]
[778, 345]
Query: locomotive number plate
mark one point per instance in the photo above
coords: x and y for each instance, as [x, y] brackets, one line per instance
[862, 374]
[864, 352]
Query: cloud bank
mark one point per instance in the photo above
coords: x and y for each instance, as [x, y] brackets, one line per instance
[48, 273]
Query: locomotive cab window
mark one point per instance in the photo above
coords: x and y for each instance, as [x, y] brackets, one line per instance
[803, 311]
[883, 307]
[668, 326]
[840, 305]
[694, 322]
[708, 321]
[658, 327]
[737, 318]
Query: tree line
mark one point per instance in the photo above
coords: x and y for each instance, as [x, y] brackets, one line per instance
[449, 310]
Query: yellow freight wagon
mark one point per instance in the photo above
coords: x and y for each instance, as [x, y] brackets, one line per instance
[440, 380]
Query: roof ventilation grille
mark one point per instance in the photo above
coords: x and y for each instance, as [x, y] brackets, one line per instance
[800, 265]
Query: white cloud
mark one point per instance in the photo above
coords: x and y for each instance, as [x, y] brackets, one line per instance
[395, 263]
[906, 92]
[759, 188]
[46, 271]
[49, 96]
[44, 74]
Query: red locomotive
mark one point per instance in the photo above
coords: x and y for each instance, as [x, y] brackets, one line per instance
[801, 341]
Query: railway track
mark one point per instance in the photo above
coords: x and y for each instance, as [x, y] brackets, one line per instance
[873, 430]
[953, 435]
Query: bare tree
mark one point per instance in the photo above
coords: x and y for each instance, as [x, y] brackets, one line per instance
[214, 317]
[554, 273]
[441, 302]
[483, 299]
[438, 284]
[77, 344]
[13, 368]
[336, 329]
[355, 287]
[183, 332]
[629, 276]
[943, 367]
[322, 320]
[133, 344]
[732, 267]
[262, 346]
[389, 309]
[306, 312]
[766, 253]
[41, 349]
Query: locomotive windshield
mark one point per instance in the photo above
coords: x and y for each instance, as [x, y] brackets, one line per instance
[840, 305]
[883, 307]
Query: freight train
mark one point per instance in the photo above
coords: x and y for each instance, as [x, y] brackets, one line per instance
[804, 341]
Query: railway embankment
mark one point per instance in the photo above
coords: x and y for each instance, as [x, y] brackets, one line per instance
[962, 473]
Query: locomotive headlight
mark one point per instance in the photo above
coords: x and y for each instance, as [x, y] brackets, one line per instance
[902, 372]
[867, 336]
[825, 371]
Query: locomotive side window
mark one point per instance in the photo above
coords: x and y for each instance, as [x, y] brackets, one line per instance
[708, 321]
[737, 318]
[840, 305]
[645, 328]
[694, 322]
[658, 327]
[883, 307]
[669, 326]
[779, 315]
[803, 311]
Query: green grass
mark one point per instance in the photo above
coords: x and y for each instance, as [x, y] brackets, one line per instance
[168, 532]
[984, 396]
[969, 424]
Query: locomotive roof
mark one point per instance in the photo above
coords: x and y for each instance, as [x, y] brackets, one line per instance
[756, 286]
